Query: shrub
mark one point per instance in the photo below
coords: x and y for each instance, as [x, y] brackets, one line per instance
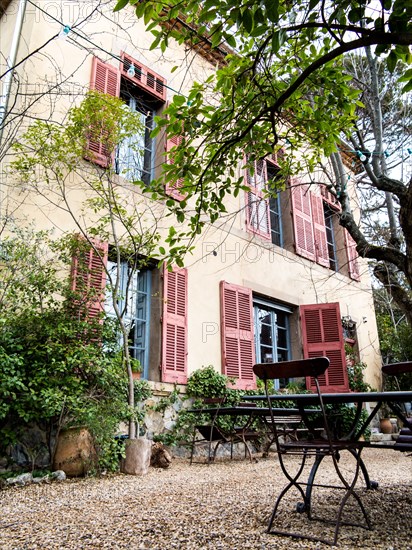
[56, 369]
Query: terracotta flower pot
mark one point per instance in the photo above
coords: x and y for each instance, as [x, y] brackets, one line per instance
[75, 453]
[386, 426]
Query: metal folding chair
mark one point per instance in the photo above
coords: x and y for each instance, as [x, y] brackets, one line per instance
[313, 446]
[208, 435]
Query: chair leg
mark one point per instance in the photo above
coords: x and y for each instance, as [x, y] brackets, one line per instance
[293, 482]
[370, 484]
[307, 496]
[311, 480]
[193, 446]
[350, 492]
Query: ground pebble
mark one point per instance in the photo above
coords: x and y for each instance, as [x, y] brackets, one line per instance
[222, 506]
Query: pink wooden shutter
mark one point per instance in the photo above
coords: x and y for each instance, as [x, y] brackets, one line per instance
[302, 220]
[353, 264]
[330, 198]
[144, 78]
[105, 79]
[174, 337]
[319, 231]
[88, 278]
[173, 188]
[238, 351]
[257, 204]
[322, 335]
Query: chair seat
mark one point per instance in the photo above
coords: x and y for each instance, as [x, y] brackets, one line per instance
[211, 433]
[249, 435]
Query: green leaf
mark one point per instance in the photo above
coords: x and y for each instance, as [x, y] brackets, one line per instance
[278, 40]
[231, 40]
[179, 100]
[407, 87]
[120, 5]
[272, 10]
[381, 48]
[391, 61]
[247, 20]
[407, 75]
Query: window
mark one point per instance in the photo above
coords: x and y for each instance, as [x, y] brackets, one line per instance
[316, 230]
[134, 303]
[272, 333]
[275, 220]
[263, 212]
[274, 207]
[134, 157]
[257, 202]
[144, 92]
[330, 236]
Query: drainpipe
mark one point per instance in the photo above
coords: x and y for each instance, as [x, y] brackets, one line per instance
[11, 61]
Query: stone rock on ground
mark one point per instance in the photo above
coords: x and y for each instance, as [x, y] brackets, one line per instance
[160, 456]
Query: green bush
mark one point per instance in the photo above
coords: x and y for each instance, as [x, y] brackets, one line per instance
[56, 370]
[207, 382]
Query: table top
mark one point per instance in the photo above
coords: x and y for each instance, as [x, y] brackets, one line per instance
[330, 398]
[246, 411]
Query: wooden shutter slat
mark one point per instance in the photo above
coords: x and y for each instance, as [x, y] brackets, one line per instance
[174, 328]
[173, 188]
[144, 78]
[322, 335]
[106, 79]
[88, 276]
[352, 255]
[319, 231]
[302, 220]
[257, 203]
[238, 352]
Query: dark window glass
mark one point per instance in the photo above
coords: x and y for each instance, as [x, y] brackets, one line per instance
[272, 342]
[330, 236]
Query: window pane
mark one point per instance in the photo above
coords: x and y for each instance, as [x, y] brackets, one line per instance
[134, 154]
[272, 335]
[275, 220]
[330, 236]
[282, 338]
[135, 308]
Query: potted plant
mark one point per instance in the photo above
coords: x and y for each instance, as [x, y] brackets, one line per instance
[385, 423]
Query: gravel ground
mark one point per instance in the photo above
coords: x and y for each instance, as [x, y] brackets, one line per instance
[224, 505]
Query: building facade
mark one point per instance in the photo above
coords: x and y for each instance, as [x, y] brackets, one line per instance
[276, 279]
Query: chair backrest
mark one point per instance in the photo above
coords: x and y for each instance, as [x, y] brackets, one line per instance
[313, 367]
